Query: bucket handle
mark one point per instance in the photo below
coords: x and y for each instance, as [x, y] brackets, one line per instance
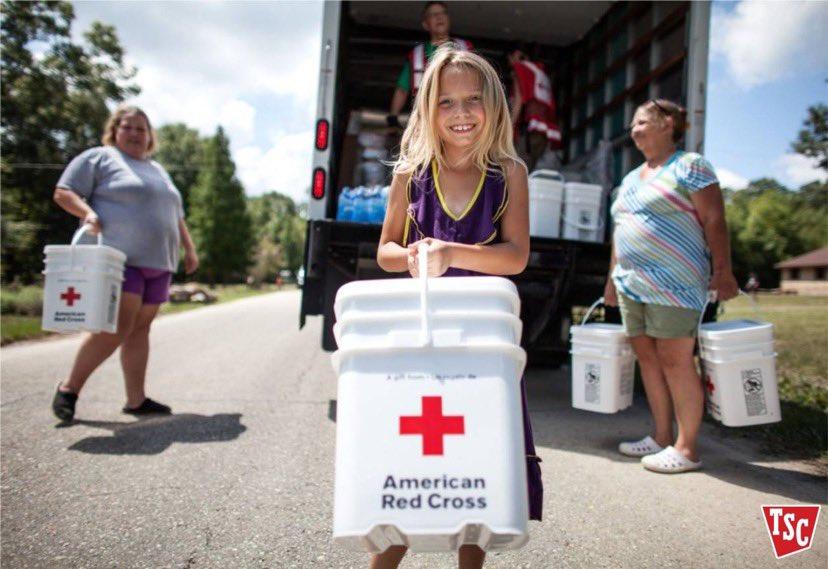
[583, 226]
[83, 229]
[76, 239]
[592, 309]
[425, 317]
[547, 174]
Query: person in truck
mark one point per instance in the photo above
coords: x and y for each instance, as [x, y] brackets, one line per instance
[437, 23]
[532, 107]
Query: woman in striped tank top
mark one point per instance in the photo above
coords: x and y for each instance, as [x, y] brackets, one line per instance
[669, 226]
[460, 188]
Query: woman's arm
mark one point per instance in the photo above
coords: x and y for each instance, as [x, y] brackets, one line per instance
[72, 203]
[391, 255]
[509, 257]
[710, 206]
[190, 255]
[610, 294]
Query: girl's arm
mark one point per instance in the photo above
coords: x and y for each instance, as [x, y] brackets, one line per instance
[391, 255]
[710, 206]
[509, 257]
[190, 255]
[72, 203]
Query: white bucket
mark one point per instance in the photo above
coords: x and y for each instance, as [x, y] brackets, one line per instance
[583, 204]
[739, 372]
[388, 491]
[432, 485]
[603, 366]
[546, 194]
[82, 287]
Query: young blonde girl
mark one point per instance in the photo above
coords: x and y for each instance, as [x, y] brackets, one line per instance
[460, 188]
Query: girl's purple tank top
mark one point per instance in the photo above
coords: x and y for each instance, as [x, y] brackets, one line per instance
[479, 224]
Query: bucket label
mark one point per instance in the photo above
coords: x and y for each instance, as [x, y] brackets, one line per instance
[592, 383]
[754, 392]
[113, 304]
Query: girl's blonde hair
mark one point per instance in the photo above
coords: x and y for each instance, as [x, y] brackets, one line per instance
[660, 109]
[115, 119]
[421, 142]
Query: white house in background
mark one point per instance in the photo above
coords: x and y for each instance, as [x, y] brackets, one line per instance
[806, 274]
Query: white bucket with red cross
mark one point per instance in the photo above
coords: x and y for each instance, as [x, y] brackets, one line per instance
[82, 289]
[430, 450]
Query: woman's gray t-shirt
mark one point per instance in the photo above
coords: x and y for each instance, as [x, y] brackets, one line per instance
[136, 201]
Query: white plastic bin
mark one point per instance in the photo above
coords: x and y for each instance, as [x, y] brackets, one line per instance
[546, 194]
[82, 287]
[739, 366]
[429, 449]
[603, 366]
[583, 206]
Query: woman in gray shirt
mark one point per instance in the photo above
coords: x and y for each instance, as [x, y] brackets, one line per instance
[118, 189]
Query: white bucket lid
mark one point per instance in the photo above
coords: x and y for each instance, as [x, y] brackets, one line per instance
[510, 350]
[467, 286]
[599, 333]
[731, 331]
[59, 251]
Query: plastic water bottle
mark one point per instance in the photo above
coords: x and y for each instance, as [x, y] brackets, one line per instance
[360, 214]
[345, 205]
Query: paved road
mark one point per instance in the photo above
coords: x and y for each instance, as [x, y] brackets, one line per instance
[242, 474]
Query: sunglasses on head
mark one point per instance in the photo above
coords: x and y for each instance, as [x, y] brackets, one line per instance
[664, 111]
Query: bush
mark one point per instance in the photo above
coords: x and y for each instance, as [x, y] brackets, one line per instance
[23, 301]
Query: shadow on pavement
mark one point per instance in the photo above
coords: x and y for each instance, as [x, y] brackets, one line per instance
[557, 425]
[154, 435]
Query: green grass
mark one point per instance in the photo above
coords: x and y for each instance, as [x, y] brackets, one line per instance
[15, 328]
[800, 324]
[21, 308]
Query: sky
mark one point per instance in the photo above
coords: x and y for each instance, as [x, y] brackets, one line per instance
[253, 67]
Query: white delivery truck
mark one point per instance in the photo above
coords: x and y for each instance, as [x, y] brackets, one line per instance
[605, 58]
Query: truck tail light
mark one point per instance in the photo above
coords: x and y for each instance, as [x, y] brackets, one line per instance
[322, 134]
[318, 186]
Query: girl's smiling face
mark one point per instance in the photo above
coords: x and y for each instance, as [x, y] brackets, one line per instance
[460, 111]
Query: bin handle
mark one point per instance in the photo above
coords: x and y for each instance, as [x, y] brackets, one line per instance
[76, 238]
[592, 309]
[425, 317]
[583, 226]
[83, 229]
[548, 174]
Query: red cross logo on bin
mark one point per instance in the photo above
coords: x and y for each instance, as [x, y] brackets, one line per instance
[70, 296]
[711, 387]
[432, 425]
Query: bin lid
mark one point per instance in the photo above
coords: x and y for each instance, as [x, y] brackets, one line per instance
[56, 251]
[734, 330]
[599, 332]
[467, 286]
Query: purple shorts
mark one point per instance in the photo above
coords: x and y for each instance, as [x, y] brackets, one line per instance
[153, 285]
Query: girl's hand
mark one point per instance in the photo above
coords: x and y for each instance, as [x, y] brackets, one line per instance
[190, 261]
[93, 222]
[610, 294]
[439, 257]
[725, 285]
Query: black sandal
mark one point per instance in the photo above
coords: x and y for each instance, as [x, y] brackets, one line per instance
[63, 404]
[148, 407]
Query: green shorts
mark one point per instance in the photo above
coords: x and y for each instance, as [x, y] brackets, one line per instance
[657, 321]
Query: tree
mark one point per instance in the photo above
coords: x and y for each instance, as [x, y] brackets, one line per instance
[813, 139]
[180, 151]
[280, 235]
[221, 226]
[55, 102]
